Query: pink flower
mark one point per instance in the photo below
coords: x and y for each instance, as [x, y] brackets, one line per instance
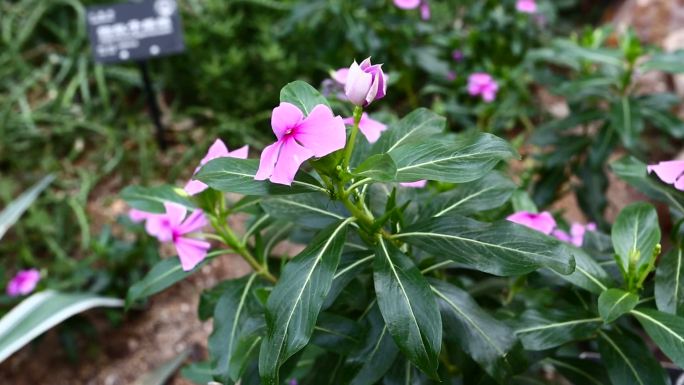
[543, 221]
[457, 55]
[173, 227]
[217, 150]
[670, 172]
[370, 128]
[425, 10]
[451, 76]
[365, 82]
[576, 236]
[299, 139]
[526, 6]
[340, 75]
[417, 184]
[138, 216]
[23, 282]
[483, 84]
[407, 4]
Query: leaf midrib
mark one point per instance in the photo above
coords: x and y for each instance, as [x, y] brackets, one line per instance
[624, 357]
[241, 305]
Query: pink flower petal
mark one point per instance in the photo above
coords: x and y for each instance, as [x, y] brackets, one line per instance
[542, 222]
[285, 117]
[370, 128]
[561, 235]
[291, 156]
[175, 213]
[407, 4]
[137, 216]
[526, 6]
[321, 132]
[23, 282]
[340, 75]
[268, 160]
[217, 150]
[191, 251]
[160, 227]
[194, 222]
[425, 10]
[417, 184]
[668, 171]
[679, 184]
[194, 187]
[240, 153]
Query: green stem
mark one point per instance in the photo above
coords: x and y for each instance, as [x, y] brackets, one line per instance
[358, 111]
[240, 248]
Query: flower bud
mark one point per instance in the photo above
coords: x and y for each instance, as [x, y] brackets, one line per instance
[365, 83]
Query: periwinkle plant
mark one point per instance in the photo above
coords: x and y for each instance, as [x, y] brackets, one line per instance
[398, 282]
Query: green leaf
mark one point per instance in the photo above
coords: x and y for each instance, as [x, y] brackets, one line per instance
[10, 214]
[336, 333]
[297, 298]
[238, 329]
[309, 210]
[629, 361]
[414, 127]
[635, 235]
[378, 167]
[377, 353]
[588, 274]
[501, 248]
[237, 176]
[352, 264]
[626, 119]
[666, 330]
[40, 312]
[491, 343]
[613, 303]
[162, 275]
[548, 328]
[666, 62]
[580, 371]
[460, 160]
[199, 373]
[634, 172]
[408, 307]
[161, 374]
[486, 193]
[151, 199]
[669, 282]
[302, 95]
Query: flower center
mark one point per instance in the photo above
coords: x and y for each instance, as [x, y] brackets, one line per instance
[289, 131]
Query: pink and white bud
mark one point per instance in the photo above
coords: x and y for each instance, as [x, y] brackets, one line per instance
[365, 82]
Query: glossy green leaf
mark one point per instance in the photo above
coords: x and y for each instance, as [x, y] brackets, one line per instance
[459, 160]
[669, 282]
[162, 275]
[628, 360]
[310, 210]
[297, 298]
[414, 127]
[634, 172]
[377, 353]
[352, 264]
[580, 371]
[500, 248]
[237, 176]
[198, 372]
[588, 273]
[408, 307]
[549, 328]
[336, 333]
[483, 194]
[378, 167]
[613, 303]
[40, 312]
[238, 328]
[666, 330]
[672, 62]
[635, 235]
[10, 214]
[302, 95]
[491, 343]
[626, 119]
[151, 199]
